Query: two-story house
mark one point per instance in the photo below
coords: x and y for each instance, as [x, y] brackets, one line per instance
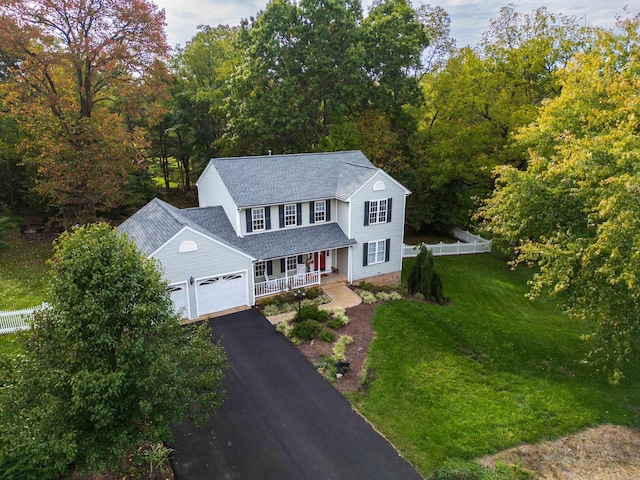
[267, 224]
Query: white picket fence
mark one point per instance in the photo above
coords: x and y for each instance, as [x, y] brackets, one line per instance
[468, 244]
[15, 320]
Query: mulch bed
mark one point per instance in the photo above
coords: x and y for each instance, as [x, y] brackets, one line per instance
[360, 329]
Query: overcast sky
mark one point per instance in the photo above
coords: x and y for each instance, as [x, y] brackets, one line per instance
[469, 18]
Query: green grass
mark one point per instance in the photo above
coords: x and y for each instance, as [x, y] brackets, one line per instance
[23, 271]
[490, 371]
[8, 345]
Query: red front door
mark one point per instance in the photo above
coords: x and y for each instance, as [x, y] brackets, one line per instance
[322, 262]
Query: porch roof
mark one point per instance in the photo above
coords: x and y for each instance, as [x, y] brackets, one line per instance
[296, 241]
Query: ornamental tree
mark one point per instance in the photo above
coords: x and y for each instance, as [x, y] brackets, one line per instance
[107, 364]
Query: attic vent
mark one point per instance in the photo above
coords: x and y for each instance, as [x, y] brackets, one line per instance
[379, 185]
[188, 246]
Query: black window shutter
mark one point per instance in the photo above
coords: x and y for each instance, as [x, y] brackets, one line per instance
[281, 211]
[298, 214]
[267, 218]
[312, 212]
[283, 265]
[328, 210]
[387, 250]
[299, 258]
[365, 256]
[269, 267]
[366, 213]
[249, 221]
[389, 209]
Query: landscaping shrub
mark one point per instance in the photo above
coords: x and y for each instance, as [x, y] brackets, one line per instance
[338, 320]
[395, 296]
[271, 309]
[326, 366]
[284, 328]
[327, 336]
[367, 297]
[312, 312]
[424, 279]
[313, 292]
[383, 296]
[306, 330]
[340, 348]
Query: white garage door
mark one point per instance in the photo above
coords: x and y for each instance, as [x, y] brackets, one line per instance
[179, 298]
[220, 293]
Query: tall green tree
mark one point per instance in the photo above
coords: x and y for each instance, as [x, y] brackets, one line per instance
[394, 40]
[574, 211]
[105, 367]
[475, 104]
[302, 69]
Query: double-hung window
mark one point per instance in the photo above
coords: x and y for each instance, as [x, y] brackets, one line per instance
[377, 252]
[292, 263]
[320, 211]
[257, 219]
[261, 268]
[290, 215]
[378, 211]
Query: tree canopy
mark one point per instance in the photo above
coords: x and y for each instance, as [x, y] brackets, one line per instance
[72, 62]
[574, 210]
[106, 366]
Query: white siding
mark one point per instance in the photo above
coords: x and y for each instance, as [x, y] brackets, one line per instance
[342, 216]
[213, 192]
[393, 230]
[210, 259]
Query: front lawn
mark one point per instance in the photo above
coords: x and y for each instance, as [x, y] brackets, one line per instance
[23, 270]
[490, 371]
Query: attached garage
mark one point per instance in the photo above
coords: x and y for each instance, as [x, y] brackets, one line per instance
[179, 298]
[221, 293]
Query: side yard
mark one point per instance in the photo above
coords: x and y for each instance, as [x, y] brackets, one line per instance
[490, 371]
[23, 271]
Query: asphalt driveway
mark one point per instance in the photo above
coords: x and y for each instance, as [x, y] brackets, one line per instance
[280, 420]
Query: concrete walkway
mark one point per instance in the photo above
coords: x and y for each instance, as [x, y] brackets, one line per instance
[341, 296]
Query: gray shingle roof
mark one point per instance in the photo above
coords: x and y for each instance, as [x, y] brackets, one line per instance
[269, 245]
[152, 225]
[155, 223]
[276, 179]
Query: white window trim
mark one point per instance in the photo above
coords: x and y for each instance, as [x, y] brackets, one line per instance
[260, 267]
[377, 248]
[290, 219]
[323, 211]
[291, 263]
[256, 220]
[188, 246]
[377, 214]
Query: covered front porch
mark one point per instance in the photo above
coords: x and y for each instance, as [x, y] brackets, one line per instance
[299, 271]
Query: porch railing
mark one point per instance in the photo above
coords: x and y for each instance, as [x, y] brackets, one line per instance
[282, 284]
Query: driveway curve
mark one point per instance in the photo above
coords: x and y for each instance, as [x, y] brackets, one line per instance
[280, 420]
